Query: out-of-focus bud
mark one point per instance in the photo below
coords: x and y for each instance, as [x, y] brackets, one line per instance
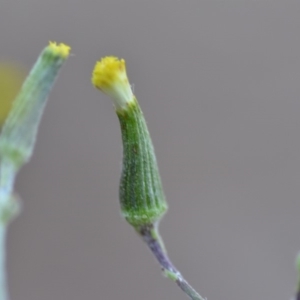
[20, 127]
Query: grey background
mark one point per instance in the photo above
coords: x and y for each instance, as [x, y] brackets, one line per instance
[219, 85]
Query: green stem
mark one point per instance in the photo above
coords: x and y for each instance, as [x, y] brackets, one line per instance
[8, 209]
[152, 238]
[8, 173]
[3, 273]
[6, 184]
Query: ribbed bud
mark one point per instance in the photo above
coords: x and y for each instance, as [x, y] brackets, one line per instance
[141, 193]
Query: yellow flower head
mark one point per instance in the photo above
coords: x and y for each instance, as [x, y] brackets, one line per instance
[11, 78]
[61, 49]
[110, 77]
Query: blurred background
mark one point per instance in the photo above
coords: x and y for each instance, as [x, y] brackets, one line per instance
[218, 82]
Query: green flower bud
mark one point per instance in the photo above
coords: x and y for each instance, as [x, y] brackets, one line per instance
[141, 195]
[20, 127]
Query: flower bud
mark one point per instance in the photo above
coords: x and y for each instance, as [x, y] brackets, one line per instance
[141, 195]
[20, 127]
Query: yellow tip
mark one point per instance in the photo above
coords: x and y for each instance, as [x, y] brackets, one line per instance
[107, 71]
[110, 77]
[61, 49]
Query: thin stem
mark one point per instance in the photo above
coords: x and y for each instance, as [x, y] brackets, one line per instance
[152, 239]
[8, 207]
[8, 173]
[3, 276]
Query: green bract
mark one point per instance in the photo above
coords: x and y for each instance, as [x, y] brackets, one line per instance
[141, 194]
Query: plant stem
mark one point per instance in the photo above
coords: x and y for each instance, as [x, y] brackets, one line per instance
[3, 279]
[7, 177]
[151, 237]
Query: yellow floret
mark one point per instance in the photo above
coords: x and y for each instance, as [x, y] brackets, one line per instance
[107, 71]
[61, 49]
[11, 78]
[110, 77]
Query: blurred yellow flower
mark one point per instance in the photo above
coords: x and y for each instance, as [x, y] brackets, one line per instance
[61, 49]
[11, 78]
